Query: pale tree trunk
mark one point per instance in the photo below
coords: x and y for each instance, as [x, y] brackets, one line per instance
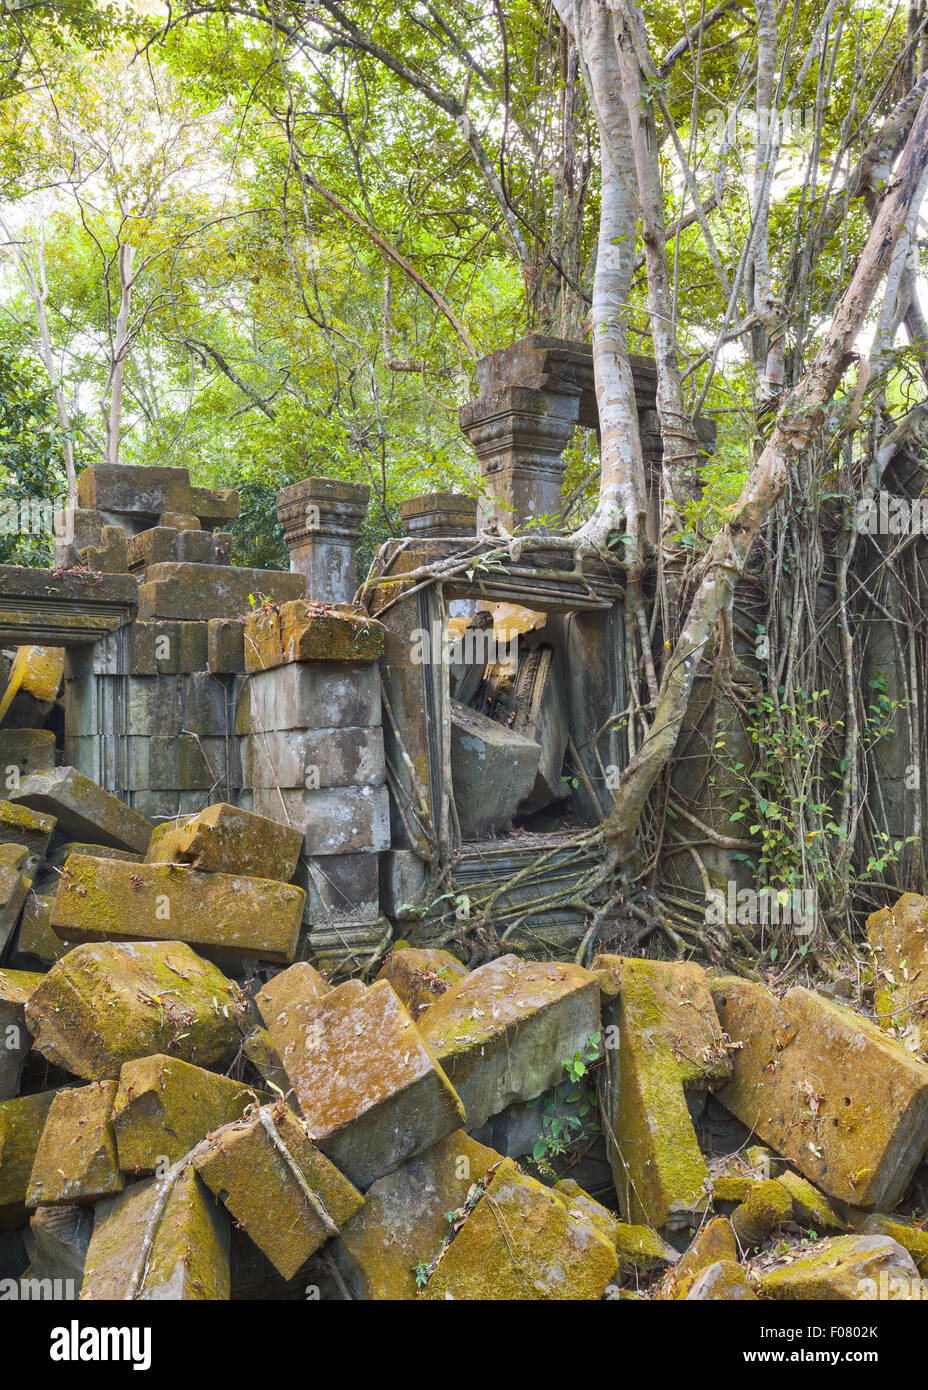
[796, 426]
[681, 452]
[112, 400]
[37, 286]
[622, 496]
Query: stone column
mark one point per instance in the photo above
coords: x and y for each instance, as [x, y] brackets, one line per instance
[519, 434]
[439, 516]
[322, 520]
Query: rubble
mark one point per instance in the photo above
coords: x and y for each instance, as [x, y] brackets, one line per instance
[83, 810]
[103, 1005]
[669, 1044]
[76, 1157]
[825, 1088]
[503, 1032]
[519, 1241]
[846, 1268]
[163, 1106]
[165, 1238]
[369, 1086]
[270, 1176]
[230, 914]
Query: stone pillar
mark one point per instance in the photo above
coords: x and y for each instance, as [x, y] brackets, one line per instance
[322, 520]
[519, 434]
[439, 516]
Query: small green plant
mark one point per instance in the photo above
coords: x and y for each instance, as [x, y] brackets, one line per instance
[566, 1116]
[421, 1273]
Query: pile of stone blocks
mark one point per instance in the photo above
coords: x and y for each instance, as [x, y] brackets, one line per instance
[309, 715]
[169, 1133]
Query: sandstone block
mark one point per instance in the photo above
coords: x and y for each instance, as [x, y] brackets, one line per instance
[231, 914]
[103, 1005]
[669, 1042]
[276, 635]
[303, 696]
[520, 1242]
[16, 989]
[826, 1089]
[76, 1157]
[315, 758]
[405, 1217]
[368, 1084]
[162, 1239]
[225, 839]
[847, 1268]
[84, 811]
[503, 1032]
[163, 1107]
[199, 592]
[277, 1185]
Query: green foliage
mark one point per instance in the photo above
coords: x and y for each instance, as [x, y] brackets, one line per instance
[568, 1117]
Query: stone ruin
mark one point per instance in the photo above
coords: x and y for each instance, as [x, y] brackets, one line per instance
[237, 1060]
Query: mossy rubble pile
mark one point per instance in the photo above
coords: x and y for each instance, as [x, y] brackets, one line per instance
[182, 1118]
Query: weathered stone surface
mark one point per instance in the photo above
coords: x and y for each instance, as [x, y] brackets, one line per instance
[283, 999]
[493, 769]
[766, 1206]
[276, 635]
[579, 1202]
[504, 1031]
[847, 1268]
[163, 1239]
[405, 1217]
[724, 1281]
[521, 1242]
[899, 938]
[14, 885]
[912, 1238]
[811, 1208]
[334, 820]
[36, 937]
[826, 1089]
[146, 494]
[102, 1005]
[368, 1084]
[167, 648]
[25, 750]
[340, 888]
[164, 1106]
[109, 900]
[303, 696]
[76, 1158]
[285, 1193]
[712, 1243]
[16, 989]
[84, 810]
[225, 839]
[315, 758]
[57, 1241]
[420, 976]
[21, 1124]
[20, 825]
[200, 592]
[225, 646]
[669, 1043]
[643, 1249]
